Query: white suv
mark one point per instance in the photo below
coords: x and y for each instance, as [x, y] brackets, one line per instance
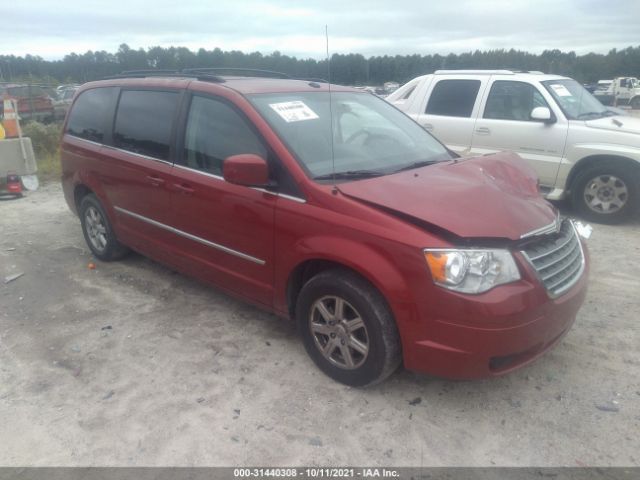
[578, 147]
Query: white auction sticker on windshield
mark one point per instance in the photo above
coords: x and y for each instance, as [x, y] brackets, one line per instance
[295, 111]
[560, 90]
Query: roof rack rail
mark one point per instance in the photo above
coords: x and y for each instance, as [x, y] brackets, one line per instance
[166, 73]
[244, 72]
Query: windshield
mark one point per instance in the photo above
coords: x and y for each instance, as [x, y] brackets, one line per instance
[575, 101]
[370, 137]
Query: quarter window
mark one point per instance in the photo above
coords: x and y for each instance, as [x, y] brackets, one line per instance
[510, 100]
[91, 114]
[214, 132]
[453, 98]
[144, 122]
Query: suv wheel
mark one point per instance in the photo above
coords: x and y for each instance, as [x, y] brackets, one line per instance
[98, 232]
[347, 328]
[605, 194]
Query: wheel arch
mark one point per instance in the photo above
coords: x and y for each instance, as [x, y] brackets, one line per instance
[592, 160]
[384, 277]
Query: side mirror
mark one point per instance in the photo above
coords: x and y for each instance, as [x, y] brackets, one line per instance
[542, 114]
[246, 169]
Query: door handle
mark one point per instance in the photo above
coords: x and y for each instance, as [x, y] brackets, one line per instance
[155, 181]
[183, 188]
[427, 126]
[483, 131]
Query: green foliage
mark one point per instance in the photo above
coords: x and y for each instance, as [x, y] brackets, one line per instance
[45, 139]
[351, 69]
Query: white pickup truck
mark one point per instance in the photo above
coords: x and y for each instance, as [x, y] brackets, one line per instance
[579, 148]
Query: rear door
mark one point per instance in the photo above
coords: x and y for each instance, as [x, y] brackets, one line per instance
[224, 231]
[450, 109]
[138, 164]
[505, 124]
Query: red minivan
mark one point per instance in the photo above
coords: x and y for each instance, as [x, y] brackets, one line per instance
[327, 205]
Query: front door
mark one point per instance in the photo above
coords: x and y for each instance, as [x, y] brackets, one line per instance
[224, 231]
[505, 124]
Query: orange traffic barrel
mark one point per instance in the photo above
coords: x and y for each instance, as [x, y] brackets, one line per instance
[10, 120]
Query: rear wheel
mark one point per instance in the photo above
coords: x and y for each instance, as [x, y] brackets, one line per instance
[347, 328]
[98, 232]
[605, 193]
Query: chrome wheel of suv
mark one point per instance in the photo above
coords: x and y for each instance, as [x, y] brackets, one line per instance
[339, 332]
[606, 193]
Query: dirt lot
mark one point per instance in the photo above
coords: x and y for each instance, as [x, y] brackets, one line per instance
[132, 364]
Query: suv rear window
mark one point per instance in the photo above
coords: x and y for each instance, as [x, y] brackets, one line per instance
[453, 98]
[91, 114]
[144, 122]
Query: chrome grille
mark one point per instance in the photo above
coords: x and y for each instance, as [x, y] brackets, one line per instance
[558, 259]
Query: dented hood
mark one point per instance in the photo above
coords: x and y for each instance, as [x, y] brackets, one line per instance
[493, 196]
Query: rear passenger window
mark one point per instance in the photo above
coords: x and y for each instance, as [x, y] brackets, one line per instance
[91, 114]
[509, 100]
[144, 122]
[214, 132]
[453, 98]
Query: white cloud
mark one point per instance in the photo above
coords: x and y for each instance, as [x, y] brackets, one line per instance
[52, 30]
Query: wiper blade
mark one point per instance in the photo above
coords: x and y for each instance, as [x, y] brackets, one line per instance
[413, 165]
[350, 174]
[591, 114]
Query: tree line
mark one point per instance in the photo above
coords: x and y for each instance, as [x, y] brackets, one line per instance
[347, 69]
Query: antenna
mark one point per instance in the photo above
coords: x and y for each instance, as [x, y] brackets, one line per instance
[333, 155]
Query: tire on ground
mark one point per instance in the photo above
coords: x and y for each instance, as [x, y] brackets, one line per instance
[384, 352]
[113, 250]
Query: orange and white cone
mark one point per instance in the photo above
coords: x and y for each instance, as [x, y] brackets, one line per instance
[10, 120]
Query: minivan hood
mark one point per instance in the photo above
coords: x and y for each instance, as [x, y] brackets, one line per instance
[626, 124]
[493, 196]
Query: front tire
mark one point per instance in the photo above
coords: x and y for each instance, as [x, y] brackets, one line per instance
[347, 328]
[605, 193]
[98, 232]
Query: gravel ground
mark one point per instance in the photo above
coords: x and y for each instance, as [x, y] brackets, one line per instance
[131, 364]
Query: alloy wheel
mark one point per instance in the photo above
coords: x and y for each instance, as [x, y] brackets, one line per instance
[339, 332]
[606, 194]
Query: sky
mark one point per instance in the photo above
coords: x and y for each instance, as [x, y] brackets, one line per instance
[52, 29]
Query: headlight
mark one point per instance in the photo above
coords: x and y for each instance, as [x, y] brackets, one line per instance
[471, 271]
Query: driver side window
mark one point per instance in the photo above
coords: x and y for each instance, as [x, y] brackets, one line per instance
[214, 132]
[510, 100]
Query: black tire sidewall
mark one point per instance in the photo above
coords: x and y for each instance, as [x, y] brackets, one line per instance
[375, 315]
[625, 174]
[112, 248]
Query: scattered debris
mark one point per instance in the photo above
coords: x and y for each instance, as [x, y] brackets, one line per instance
[11, 249]
[109, 394]
[75, 349]
[268, 343]
[107, 327]
[315, 441]
[607, 407]
[236, 411]
[91, 266]
[13, 277]
[200, 400]
[415, 401]
[235, 439]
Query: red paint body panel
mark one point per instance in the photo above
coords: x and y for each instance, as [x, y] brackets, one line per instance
[261, 238]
